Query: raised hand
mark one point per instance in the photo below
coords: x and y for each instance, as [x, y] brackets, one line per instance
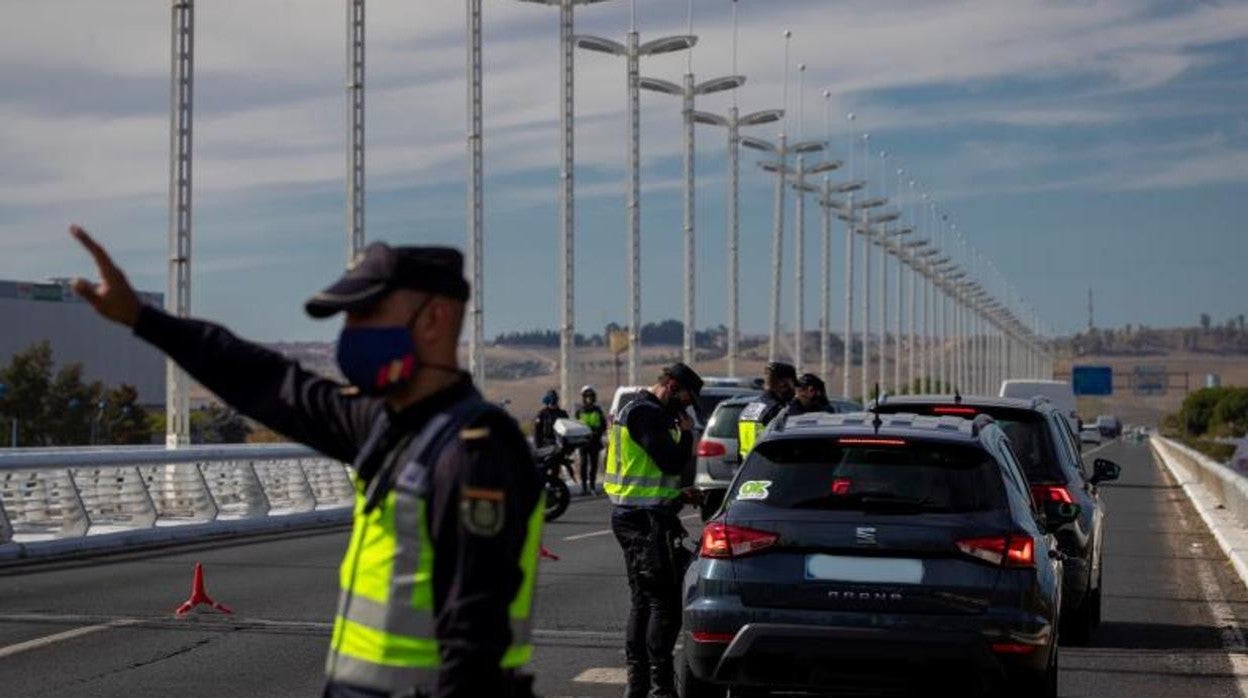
[113, 297]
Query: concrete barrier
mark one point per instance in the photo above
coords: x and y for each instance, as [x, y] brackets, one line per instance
[1219, 494]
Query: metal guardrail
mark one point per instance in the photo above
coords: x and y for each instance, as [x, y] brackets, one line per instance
[75, 493]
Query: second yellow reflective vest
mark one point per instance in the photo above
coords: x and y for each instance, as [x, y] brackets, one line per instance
[633, 478]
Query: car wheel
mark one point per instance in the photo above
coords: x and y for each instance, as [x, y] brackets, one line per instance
[1096, 599]
[1083, 620]
[693, 687]
[1034, 684]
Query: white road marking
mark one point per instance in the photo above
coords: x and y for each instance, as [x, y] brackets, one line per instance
[46, 640]
[591, 534]
[607, 531]
[1223, 616]
[1088, 453]
[616, 676]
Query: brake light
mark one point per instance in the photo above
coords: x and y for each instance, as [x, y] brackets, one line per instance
[725, 541]
[711, 449]
[963, 411]
[712, 638]
[840, 486]
[1013, 648]
[1006, 551]
[869, 441]
[1051, 493]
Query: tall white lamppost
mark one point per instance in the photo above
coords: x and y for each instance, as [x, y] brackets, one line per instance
[688, 92]
[733, 123]
[567, 186]
[178, 300]
[632, 52]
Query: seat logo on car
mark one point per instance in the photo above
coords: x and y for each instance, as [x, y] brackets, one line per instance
[865, 535]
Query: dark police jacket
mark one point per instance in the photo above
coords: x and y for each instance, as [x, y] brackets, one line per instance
[475, 575]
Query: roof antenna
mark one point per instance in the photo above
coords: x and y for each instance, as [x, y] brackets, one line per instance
[957, 397]
[875, 410]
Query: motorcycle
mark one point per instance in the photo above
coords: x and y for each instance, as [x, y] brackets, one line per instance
[570, 436]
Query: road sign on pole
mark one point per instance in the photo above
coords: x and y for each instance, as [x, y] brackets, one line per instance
[1150, 380]
[1092, 380]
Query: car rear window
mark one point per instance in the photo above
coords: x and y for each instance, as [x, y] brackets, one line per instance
[1027, 430]
[913, 477]
[723, 424]
[708, 403]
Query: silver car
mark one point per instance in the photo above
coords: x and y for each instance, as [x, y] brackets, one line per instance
[718, 458]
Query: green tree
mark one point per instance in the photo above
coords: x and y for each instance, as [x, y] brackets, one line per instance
[1197, 410]
[1230, 415]
[1205, 321]
[123, 420]
[26, 380]
[69, 407]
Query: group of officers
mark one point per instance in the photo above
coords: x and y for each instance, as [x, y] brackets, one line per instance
[437, 583]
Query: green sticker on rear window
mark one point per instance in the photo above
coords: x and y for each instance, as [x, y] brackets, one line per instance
[753, 489]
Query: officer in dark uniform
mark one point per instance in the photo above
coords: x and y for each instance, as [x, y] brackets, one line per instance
[778, 389]
[812, 396]
[651, 441]
[437, 584]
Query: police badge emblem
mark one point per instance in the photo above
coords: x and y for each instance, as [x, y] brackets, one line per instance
[481, 511]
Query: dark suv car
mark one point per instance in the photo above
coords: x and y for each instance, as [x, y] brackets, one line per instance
[851, 556]
[1041, 438]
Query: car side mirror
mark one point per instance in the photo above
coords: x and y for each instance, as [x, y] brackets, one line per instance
[1104, 470]
[712, 500]
[1058, 514]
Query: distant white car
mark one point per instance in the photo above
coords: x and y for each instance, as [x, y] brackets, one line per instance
[1090, 435]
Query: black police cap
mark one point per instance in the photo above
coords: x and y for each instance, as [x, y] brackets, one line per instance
[379, 269]
[810, 380]
[779, 369]
[686, 377]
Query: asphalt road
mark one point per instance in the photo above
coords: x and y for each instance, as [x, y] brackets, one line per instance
[1173, 612]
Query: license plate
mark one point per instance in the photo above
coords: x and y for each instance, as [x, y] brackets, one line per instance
[864, 570]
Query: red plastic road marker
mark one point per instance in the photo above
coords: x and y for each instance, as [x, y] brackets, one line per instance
[547, 555]
[199, 595]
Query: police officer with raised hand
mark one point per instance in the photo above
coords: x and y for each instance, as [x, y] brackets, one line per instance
[649, 445]
[779, 380]
[436, 587]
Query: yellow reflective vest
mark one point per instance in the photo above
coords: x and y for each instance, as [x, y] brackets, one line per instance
[383, 637]
[633, 478]
[753, 422]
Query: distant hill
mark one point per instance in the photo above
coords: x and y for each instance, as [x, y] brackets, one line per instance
[1226, 339]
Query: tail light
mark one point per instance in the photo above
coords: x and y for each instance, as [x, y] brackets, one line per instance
[712, 638]
[711, 449]
[869, 441]
[725, 541]
[959, 411]
[1013, 648]
[1005, 551]
[1051, 493]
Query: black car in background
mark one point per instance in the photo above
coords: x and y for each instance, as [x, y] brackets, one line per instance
[846, 557]
[1056, 472]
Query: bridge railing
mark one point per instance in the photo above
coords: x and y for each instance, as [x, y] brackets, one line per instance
[74, 493]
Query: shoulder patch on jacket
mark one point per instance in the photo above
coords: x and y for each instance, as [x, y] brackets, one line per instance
[482, 511]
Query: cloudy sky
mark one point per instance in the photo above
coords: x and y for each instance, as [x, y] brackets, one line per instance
[1075, 143]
